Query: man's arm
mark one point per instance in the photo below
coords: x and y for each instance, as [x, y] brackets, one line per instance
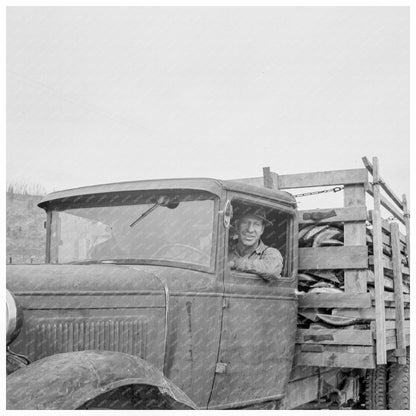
[269, 267]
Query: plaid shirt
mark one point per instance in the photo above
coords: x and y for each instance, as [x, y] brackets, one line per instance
[267, 262]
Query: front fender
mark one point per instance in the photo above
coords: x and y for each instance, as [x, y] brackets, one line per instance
[67, 381]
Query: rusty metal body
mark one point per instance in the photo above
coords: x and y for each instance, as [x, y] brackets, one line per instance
[226, 339]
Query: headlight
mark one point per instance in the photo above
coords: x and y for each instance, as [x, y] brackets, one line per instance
[14, 318]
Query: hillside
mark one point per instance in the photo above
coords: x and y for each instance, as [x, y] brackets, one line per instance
[25, 233]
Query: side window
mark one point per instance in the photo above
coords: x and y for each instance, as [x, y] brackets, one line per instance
[256, 226]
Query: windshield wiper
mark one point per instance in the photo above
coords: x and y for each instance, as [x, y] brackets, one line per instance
[162, 201]
[147, 212]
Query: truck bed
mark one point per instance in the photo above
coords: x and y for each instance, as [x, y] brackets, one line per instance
[366, 318]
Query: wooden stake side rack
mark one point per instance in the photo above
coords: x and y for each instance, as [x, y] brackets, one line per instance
[387, 306]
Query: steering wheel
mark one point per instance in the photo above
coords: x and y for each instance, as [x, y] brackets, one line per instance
[183, 246]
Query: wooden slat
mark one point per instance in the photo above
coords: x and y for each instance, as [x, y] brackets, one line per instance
[336, 359]
[310, 179]
[327, 178]
[369, 313]
[398, 291]
[392, 345]
[389, 297]
[352, 349]
[385, 226]
[387, 241]
[392, 304]
[318, 348]
[407, 224]
[350, 214]
[393, 332]
[387, 264]
[335, 336]
[387, 303]
[385, 203]
[405, 272]
[355, 281]
[314, 258]
[388, 284]
[333, 300]
[380, 312]
[392, 325]
[389, 207]
[384, 185]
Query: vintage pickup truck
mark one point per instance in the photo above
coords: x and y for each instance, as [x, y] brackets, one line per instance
[136, 307]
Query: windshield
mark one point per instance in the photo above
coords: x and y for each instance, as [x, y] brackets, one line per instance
[156, 227]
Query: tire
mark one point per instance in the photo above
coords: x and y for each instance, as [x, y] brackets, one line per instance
[398, 386]
[376, 388]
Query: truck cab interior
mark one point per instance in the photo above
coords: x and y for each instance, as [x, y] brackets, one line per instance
[277, 232]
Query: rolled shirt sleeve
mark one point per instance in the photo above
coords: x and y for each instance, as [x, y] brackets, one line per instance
[268, 265]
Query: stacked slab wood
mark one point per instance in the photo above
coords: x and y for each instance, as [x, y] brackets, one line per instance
[332, 280]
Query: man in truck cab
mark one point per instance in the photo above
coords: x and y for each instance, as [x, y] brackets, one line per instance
[248, 253]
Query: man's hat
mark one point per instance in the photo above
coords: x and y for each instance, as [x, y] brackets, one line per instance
[258, 212]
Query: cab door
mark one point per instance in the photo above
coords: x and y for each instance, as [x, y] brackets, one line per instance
[258, 325]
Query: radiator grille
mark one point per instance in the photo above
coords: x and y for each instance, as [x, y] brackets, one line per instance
[129, 336]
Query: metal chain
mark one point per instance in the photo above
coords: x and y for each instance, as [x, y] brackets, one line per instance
[335, 189]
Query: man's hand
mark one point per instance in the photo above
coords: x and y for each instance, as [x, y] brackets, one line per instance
[232, 264]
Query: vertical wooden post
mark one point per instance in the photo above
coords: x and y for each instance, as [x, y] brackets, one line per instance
[267, 178]
[378, 270]
[355, 281]
[406, 215]
[48, 237]
[398, 294]
[270, 179]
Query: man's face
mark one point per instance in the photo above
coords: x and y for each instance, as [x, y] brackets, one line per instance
[249, 229]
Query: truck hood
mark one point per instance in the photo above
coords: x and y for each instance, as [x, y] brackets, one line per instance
[81, 279]
[90, 307]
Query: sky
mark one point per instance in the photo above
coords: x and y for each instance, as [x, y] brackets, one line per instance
[109, 94]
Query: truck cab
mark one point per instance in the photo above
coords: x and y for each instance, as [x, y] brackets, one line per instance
[139, 271]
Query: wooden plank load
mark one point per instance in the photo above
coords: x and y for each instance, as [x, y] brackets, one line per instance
[354, 278]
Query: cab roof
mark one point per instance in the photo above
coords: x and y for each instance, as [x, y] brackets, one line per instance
[213, 186]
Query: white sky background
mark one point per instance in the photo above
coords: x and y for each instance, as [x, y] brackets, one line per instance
[97, 95]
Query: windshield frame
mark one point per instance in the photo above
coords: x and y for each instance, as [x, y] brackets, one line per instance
[68, 203]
